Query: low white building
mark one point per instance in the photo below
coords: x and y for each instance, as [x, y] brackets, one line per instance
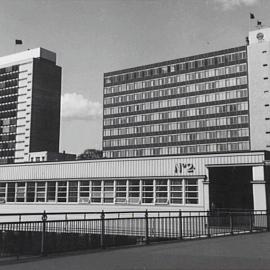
[189, 183]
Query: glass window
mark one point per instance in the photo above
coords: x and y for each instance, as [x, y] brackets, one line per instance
[121, 191]
[51, 186]
[147, 191]
[62, 191]
[96, 192]
[134, 191]
[11, 192]
[30, 192]
[161, 191]
[20, 192]
[40, 192]
[73, 191]
[176, 191]
[2, 191]
[191, 191]
[108, 191]
[84, 191]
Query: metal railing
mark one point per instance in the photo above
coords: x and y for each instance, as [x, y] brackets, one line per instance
[58, 232]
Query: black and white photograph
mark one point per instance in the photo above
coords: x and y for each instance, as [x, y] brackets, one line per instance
[135, 134]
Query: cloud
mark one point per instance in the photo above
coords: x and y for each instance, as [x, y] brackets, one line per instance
[231, 4]
[76, 107]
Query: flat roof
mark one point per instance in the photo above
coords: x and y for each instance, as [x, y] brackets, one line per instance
[26, 55]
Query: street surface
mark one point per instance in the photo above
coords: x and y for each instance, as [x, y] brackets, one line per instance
[250, 251]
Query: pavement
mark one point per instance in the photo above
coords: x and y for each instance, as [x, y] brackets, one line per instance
[249, 251]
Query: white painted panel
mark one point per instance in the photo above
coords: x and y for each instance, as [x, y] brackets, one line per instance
[163, 166]
[258, 173]
[259, 196]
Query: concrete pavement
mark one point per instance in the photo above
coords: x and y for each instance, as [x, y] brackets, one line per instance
[251, 251]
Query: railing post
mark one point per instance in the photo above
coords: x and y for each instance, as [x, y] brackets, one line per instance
[180, 225]
[208, 224]
[268, 220]
[102, 232]
[43, 234]
[146, 228]
[231, 223]
[251, 221]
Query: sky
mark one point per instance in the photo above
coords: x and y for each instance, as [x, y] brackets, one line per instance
[91, 37]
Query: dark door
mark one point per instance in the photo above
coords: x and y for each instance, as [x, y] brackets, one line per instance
[230, 187]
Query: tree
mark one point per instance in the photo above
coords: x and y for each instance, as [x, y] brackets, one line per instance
[90, 154]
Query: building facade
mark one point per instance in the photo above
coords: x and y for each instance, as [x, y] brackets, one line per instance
[190, 183]
[191, 134]
[216, 102]
[30, 92]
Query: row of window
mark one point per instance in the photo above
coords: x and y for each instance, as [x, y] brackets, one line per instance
[178, 114]
[7, 137]
[7, 153]
[179, 150]
[8, 91]
[9, 76]
[179, 67]
[9, 69]
[170, 92]
[7, 99]
[8, 121]
[175, 138]
[185, 101]
[7, 145]
[8, 114]
[7, 129]
[6, 160]
[150, 191]
[179, 126]
[182, 78]
[6, 84]
[9, 106]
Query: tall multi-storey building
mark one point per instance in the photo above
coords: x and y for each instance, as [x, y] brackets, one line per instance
[209, 103]
[30, 92]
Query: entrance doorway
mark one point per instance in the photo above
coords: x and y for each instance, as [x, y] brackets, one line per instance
[230, 187]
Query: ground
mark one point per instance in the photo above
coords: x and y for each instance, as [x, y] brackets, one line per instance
[250, 251]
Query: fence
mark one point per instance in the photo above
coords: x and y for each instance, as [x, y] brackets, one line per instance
[77, 231]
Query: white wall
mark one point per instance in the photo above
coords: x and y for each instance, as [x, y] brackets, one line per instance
[259, 89]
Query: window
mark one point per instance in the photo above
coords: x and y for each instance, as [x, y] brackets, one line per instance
[30, 192]
[62, 191]
[121, 191]
[40, 192]
[191, 191]
[84, 191]
[134, 191]
[51, 186]
[73, 191]
[108, 191]
[147, 191]
[161, 191]
[11, 192]
[20, 192]
[2, 191]
[176, 191]
[96, 192]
